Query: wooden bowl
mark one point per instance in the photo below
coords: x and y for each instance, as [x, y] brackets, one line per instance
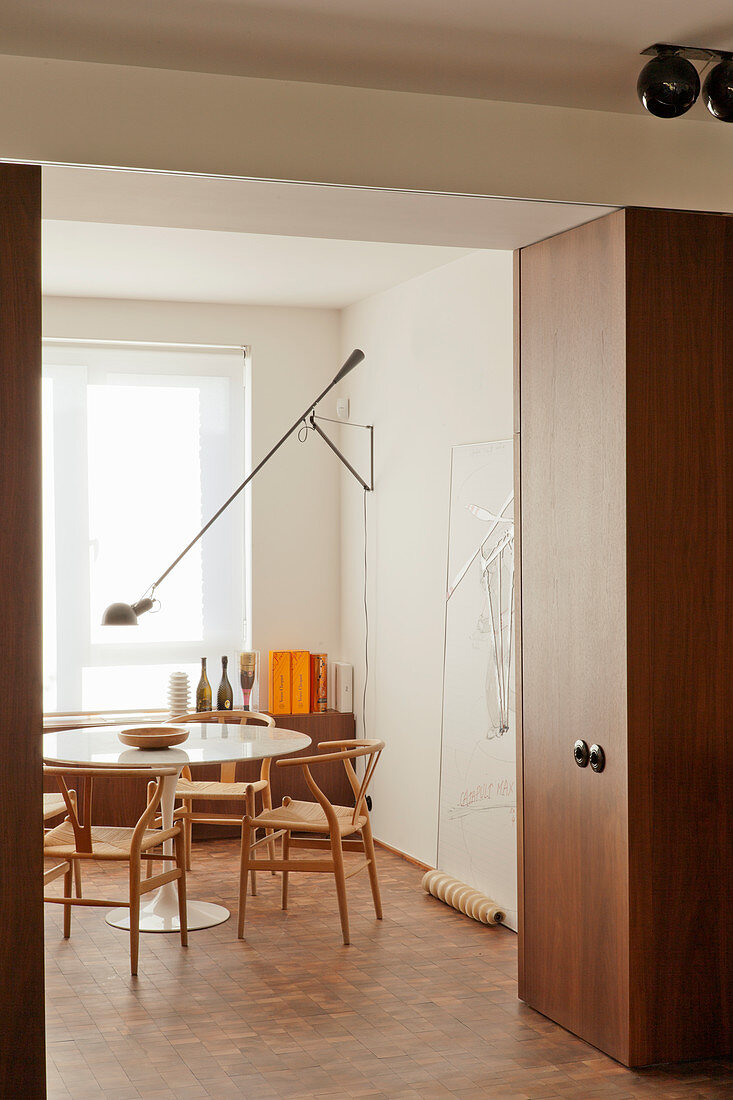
[153, 737]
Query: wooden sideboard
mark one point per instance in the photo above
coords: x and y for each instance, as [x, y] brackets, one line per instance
[122, 803]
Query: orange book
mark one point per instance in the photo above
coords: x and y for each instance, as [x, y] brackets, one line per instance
[279, 682]
[300, 680]
[319, 682]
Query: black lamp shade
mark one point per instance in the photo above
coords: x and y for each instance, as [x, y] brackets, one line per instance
[668, 85]
[353, 361]
[125, 614]
[717, 91]
[119, 614]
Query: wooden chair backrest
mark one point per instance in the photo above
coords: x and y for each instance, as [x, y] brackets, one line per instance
[80, 810]
[346, 751]
[227, 772]
[232, 717]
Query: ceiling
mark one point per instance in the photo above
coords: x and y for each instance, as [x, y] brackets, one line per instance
[178, 237]
[231, 205]
[103, 260]
[575, 53]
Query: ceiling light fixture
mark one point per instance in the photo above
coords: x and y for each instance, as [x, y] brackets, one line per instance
[669, 84]
[717, 91]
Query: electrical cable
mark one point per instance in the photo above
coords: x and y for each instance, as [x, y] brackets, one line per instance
[366, 624]
[302, 437]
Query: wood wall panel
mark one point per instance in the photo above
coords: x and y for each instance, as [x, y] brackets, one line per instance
[575, 942]
[22, 1045]
[679, 300]
[517, 336]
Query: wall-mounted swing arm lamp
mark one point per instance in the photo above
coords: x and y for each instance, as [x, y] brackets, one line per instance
[669, 84]
[125, 614]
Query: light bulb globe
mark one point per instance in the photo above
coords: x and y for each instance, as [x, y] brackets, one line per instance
[717, 91]
[668, 85]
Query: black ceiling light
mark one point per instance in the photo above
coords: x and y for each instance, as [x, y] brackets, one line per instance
[717, 91]
[669, 84]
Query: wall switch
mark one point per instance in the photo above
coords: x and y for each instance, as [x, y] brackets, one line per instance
[342, 408]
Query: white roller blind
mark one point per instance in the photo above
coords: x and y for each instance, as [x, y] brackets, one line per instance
[141, 446]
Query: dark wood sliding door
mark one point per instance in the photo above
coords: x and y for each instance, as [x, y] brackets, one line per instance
[626, 403]
[574, 631]
[22, 1045]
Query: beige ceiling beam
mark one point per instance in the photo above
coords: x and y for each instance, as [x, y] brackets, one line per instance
[112, 115]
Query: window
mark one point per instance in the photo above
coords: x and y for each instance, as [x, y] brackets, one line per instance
[141, 445]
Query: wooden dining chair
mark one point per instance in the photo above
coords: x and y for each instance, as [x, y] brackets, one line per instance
[77, 839]
[318, 825]
[54, 806]
[226, 788]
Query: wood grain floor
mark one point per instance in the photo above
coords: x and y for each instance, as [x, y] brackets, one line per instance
[423, 1004]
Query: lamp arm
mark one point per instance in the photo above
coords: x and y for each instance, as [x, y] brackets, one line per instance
[327, 439]
[355, 358]
[227, 502]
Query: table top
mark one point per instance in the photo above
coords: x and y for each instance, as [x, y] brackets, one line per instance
[208, 743]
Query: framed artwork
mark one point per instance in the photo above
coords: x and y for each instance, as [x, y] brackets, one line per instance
[477, 838]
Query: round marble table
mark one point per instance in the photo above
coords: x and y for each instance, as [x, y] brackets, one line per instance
[208, 743]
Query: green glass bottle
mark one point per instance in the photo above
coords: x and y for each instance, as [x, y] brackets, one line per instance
[203, 691]
[225, 695]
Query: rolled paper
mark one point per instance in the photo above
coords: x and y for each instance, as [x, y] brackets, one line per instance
[469, 903]
[482, 910]
[459, 895]
[450, 893]
[434, 881]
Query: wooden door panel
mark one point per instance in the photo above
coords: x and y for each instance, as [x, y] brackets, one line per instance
[572, 441]
[680, 384]
[22, 1046]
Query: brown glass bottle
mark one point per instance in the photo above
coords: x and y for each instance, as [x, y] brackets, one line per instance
[203, 690]
[225, 695]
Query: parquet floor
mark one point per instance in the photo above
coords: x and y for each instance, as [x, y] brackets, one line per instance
[422, 1004]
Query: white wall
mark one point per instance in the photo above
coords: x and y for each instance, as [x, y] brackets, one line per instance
[122, 116]
[295, 500]
[438, 372]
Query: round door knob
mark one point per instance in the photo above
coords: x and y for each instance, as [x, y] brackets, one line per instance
[581, 754]
[597, 758]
